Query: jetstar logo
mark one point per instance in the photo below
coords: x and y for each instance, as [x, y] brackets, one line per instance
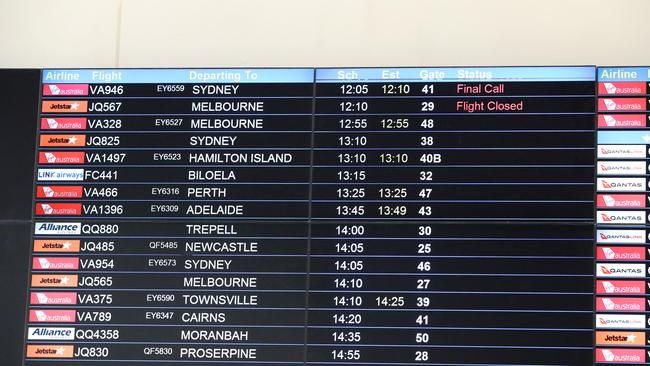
[620, 217]
[59, 123]
[621, 151]
[49, 351]
[621, 88]
[53, 298]
[55, 263]
[58, 209]
[620, 338]
[45, 333]
[621, 236]
[621, 121]
[57, 246]
[61, 157]
[620, 287]
[620, 321]
[620, 304]
[620, 270]
[52, 316]
[623, 355]
[65, 89]
[54, 280]
[621, 200]
[621, 167]
[58, 228]
[65, 106]
[621, 253]
[63, 140]
[59, 191]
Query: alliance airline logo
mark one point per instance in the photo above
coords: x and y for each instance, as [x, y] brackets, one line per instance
[52, 316]
[51, 334]
[50, 280]
[622, 355]
[62, 140]
[621, 253]
[620, 304]
[57, 228]
[609, 338]
[621, 121]
[55, 263]
[60, 175]
[620, 321]
[58, 209]
[620, 217]
[621, 167]
[621, 200]
[631, 87]
[619, 287]
[620, 236]
[53, 298]
[59, 191]
[65, 89]
[621, 104]
[49, 351]
[620, 184]
[633, 270]
[61, 157]
[65, 106]
[58, 123]
[621, 151]
[56, 246]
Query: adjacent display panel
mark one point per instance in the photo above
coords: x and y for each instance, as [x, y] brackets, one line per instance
[335, 216]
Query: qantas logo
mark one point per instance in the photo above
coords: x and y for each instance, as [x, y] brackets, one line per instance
[621, 236]
[621, 184]
[621, 168]
[621, 217]
[63, 123]
[620, 321]
[621, 151]
[620, 270]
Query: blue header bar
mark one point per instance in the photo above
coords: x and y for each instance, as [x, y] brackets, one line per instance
[455, 74]
[146, 76]
[624, 74]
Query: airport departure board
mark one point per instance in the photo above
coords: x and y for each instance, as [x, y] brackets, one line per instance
[334, 216]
